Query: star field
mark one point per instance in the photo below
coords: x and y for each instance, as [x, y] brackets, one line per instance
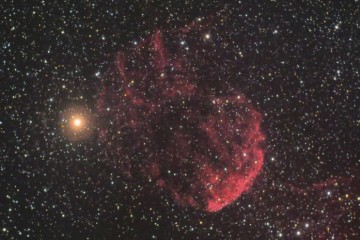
[297, 62]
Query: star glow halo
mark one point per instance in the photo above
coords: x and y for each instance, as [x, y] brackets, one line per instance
[76, 123]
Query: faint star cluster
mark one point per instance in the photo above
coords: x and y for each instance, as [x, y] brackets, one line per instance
[297, 62]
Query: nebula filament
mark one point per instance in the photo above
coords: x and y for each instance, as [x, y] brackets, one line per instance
[160, 122]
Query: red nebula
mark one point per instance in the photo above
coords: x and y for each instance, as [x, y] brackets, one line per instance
[160, 122]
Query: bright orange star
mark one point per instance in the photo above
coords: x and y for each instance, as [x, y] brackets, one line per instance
[77, 123]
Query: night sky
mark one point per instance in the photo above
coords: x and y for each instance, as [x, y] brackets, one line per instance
[180, 120]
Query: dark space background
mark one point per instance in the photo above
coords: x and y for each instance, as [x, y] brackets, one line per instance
[298, 61]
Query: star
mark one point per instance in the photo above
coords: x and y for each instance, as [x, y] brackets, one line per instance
[76, 123]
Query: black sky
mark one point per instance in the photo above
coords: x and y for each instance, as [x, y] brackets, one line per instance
[298, 62]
